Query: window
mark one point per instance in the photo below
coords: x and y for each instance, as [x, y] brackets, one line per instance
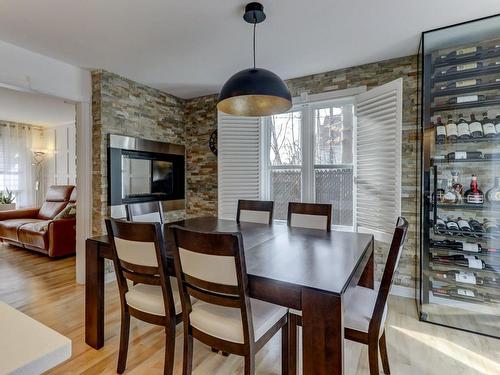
[311, 156]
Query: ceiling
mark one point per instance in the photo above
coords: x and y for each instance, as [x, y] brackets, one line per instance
[189, 48]
[34, 109]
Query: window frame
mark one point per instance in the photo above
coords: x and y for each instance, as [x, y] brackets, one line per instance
[307, 104]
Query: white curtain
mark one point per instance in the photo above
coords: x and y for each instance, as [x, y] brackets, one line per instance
[16, 169]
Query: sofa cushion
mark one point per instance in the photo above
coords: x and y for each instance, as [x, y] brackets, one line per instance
[9, 228]
[59, 193]
[50, 209]
[34, 234]
[69, 212]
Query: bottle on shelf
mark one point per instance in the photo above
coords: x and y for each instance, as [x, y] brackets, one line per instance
[468, 261]
[458, 246]
[457, 186]
[452, 130]
[465, 227]
[497, 125]
[440, 226]
[465, 277]
[493, 194]
[475, 127]
[462, 52]
[466, 99]
[463, 68]
[440, 131]
[488, 126]
[440, 190]
[464, 155]
[462, 83]
[452, 227]
[474, 195]
[477, 228]
[463, 128]
[490, 226]
[450, 196]
[460, 293]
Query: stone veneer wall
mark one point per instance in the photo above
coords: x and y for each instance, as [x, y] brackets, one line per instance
[201, 120]
[121, 106]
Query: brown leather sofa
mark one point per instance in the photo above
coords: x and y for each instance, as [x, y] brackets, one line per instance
[41, 229]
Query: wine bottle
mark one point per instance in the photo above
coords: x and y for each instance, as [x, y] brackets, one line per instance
[490, 226]
[469, 261]
[465, 277]
[463, 128]
[464, 227]
[474, 195]
[440, 131]
[464, 155]
[457, 246]
[460, 293]
[452, 130]
[450, 196]
[466, 99]
[488, 126]
[493, 194]
[477, 228]
[440, 226]
[457, 186]
[462, 52]
[462, 83]
[452, 227]
[475, 127]
[463, 68]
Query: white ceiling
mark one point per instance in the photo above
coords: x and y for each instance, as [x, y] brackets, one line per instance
[34, 109]
[190, 47]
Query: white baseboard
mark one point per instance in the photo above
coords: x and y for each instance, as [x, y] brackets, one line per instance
[400, 291]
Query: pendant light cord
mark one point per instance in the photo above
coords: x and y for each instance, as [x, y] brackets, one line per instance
[254, 25]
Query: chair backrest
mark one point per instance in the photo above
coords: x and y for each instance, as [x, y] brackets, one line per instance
[310, 215]
[139, 256]
[56, 199]
[255, 211]
[145, 212]
[395, 251]
[211, 267]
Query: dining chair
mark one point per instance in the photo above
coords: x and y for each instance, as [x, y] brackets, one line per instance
[211, 268]
[255, 211]
[151, 212]
[310, 215]
[139, 256]
[366, 309]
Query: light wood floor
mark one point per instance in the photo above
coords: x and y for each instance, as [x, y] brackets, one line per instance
[46, 290]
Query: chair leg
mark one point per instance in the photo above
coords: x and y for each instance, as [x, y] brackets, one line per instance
[169, 349]
[373, 356]
[124, 337]
[292, 342]
[187, 364]
[215, 350]
[285, 350]
[383, 354]
[250, 364]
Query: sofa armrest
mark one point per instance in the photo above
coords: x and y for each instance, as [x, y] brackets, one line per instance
[28, 213]
[62, 237]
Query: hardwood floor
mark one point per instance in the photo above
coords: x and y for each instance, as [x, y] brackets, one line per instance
[46, 290]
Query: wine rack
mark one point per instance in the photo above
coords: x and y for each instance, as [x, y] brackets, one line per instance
[459, 258]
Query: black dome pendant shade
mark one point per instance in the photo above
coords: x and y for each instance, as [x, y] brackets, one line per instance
[254, 91]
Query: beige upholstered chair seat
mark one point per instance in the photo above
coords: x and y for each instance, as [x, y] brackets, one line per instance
[149, 298]
[226, 323]
[359, 306]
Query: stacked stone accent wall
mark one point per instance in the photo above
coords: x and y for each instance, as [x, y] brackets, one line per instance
[121, 106]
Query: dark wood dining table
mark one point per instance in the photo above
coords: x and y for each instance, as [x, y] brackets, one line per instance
[302, 269]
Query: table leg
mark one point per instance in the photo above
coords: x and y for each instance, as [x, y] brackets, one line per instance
[323, 333]
[94, 296]
[368, 276]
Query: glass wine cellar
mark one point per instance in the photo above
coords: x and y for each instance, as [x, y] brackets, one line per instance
[459, 261]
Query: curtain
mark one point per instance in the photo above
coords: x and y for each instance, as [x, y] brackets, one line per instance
[16, 169]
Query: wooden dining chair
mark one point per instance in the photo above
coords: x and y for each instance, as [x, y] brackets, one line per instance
[310, 215]
[211, 268]
[255, 211]
[366, 309]
[151, 212]
[139, 256]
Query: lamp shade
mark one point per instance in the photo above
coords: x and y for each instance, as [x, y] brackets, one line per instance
[254, 92]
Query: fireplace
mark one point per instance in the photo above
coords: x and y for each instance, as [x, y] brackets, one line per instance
[141, 170]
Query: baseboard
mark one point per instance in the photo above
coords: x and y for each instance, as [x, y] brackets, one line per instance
[400, 291]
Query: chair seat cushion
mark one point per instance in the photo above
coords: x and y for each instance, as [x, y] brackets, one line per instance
[35, 234]
[225, 322]
[359, 306]
[149, 298]
[9, 228]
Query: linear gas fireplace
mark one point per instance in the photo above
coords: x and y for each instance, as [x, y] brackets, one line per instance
[141, 170]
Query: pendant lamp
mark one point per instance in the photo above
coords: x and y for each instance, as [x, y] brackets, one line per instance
[254, 91]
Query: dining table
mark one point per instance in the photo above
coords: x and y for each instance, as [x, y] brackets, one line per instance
[303, 269]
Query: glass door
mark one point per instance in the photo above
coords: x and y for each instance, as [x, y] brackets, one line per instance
[460, 228]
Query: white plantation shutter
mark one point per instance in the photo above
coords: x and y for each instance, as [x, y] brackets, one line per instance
[378, 159]
[239, 171]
